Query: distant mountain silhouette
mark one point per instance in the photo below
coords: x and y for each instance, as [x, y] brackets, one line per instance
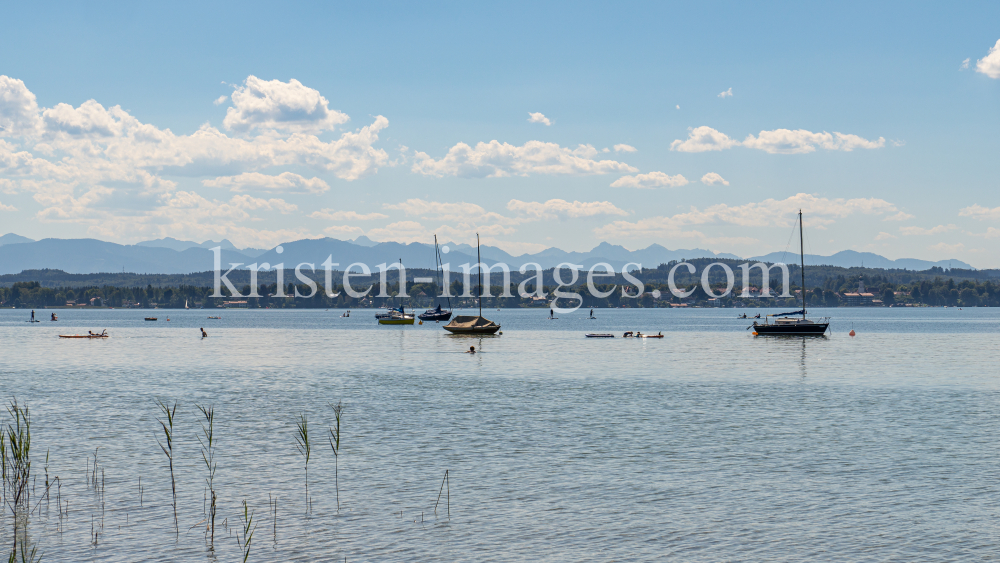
[11, 238]
[172, 256]
[851, 259]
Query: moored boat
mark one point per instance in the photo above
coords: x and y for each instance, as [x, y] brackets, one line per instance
[437, 314]
[467, 324]
[784, 323]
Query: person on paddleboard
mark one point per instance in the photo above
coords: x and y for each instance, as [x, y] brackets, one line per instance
[32, 315]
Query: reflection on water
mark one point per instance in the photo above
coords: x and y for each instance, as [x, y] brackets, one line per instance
[709, 444]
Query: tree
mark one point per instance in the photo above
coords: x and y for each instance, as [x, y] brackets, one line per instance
[888, 296]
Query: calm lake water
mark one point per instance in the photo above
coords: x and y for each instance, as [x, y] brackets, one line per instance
[707, 445]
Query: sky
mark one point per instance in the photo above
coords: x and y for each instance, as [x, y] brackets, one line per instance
[694, 125]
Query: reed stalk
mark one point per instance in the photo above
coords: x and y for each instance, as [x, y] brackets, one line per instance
[303, 446]
[444, 481]
[168, 450]
[17, 476]
[338, 410]
[248, 529]
[207, 442]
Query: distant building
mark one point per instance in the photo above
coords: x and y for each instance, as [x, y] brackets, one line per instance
[860, 298]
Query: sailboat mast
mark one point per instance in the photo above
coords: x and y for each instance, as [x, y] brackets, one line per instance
[479, 258]
[802, 265]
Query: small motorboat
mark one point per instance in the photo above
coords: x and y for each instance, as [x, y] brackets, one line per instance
[649, 336]
[600, 336]
[150, 318]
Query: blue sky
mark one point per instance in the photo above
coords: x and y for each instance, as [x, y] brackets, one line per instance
[183, 120]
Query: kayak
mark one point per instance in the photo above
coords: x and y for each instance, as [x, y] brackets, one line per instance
[600, 336]
[83, 336]
[650, 336]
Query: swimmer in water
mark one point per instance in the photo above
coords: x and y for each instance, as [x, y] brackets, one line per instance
[472, 350]
[203, 333]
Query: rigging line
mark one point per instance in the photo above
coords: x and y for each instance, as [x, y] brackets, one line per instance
[789, 243]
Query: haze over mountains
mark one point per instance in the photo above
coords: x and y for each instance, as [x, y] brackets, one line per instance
[172, 256]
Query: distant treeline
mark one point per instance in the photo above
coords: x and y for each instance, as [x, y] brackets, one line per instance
[826, 286]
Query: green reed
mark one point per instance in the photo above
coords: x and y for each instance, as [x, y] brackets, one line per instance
[248, 529]
[303, 446]
[16, 451]
[168, 450]
[207, 441]
[338, 410]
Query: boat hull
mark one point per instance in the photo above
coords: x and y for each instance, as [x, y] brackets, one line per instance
[408, 321]
[814, 329]
[473, 330]
[435, 316]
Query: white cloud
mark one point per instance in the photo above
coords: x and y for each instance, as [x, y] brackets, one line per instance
[977, 211]
[900, 216]
[287, 182]
[945, 247]
[7, 207]
[284, 106]
[622, 147]
[18, 108]
[991, 232]
[990, 64]
[911, 231]
[778, 141]
[885, 236]
[495, 160]
[401, 231]
[102, 168]
[785, 141]
[539, 118]
[331, 215]
[220, 100]
[712, 178]
[678, 106]
[964, 65]
[727, 94]
[650, 180]
[460, 211]
[702, 139]
[819, 211]
[343, 231]
[554, 208]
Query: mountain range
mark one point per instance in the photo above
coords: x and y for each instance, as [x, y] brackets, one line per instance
[173, 256]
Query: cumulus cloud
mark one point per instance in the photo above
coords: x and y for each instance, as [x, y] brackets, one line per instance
[288, 182]
[885, 236]
[554, 208]
[495, 160]
[343, 231]
[778, 141]
[727, 94]
[964, 65]
[820, 211]
[622, 147]
[785, 141]
[539, 118]
[945, 247]
[7, 207]
[284, 106]
[712, 178]
[101, 167]
[703, 139]
[979, 212]
[910, 231]
[991, 232]
[18, 108]
[220, 100]
[447, 211]
[990, 64]
[650, 180]
[331, 215]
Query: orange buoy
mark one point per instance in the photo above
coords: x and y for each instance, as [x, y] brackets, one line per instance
[852, 333]
[754, 333]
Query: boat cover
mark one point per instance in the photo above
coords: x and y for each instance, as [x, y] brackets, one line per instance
[470, 322]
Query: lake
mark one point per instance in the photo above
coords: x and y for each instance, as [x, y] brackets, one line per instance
[709, 444]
